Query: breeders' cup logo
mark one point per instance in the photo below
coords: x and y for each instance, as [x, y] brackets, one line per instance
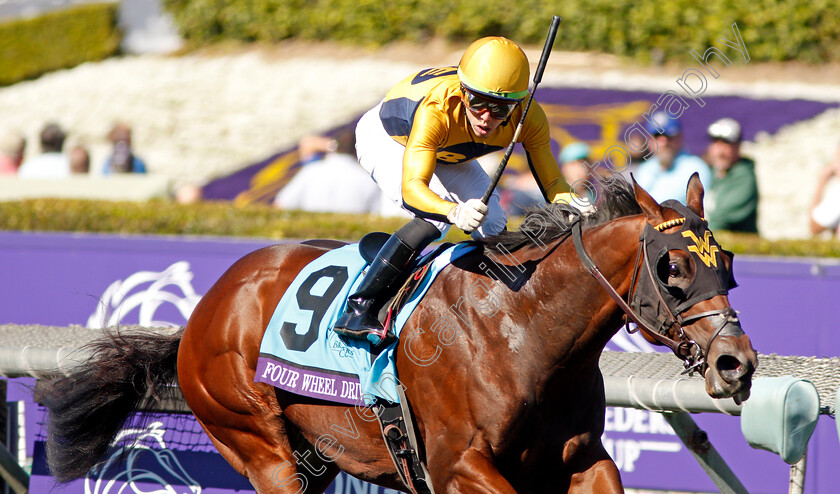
[147, 291]
[133, 479]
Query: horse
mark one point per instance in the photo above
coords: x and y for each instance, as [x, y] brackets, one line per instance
[507, 395]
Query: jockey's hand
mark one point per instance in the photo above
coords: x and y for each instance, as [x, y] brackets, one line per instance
[582, 204]
[468, 215]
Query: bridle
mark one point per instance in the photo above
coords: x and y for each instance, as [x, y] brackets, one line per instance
[724, 321]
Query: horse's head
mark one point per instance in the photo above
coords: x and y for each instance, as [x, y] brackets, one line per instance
[680, 289]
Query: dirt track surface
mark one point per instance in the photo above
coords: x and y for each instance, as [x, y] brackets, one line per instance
[206, 114]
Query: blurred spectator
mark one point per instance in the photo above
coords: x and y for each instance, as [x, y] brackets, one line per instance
[122, 158]
[577, 169]
[315, 147]
[12, 145]
[79, 160]
[825, 206]
[518, 192]
[636, 146]
[521, 192]
[572, 158]
[189, 194]
[732, 199]
[665, 175]
[330, 180]
[52, 162]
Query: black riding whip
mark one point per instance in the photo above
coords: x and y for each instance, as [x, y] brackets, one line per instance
[549, 42]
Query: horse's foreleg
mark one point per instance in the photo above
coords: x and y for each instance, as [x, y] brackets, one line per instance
[473, 472]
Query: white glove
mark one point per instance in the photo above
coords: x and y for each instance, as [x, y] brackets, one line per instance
[468, 215]
[582, 204]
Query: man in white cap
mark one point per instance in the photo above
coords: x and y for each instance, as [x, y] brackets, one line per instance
[732, 200]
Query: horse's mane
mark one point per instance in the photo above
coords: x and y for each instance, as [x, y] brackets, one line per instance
[616, 199]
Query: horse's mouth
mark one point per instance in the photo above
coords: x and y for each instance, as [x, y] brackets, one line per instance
[718, 386]
[742, 396]
[730, 373]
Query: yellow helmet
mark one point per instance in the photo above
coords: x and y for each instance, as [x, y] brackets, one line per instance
[495, 67]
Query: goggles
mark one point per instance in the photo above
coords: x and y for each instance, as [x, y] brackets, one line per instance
[498, 109]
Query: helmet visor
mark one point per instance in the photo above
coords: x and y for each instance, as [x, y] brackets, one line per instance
[498, 109]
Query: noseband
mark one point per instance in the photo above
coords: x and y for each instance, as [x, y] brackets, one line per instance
[724, 321]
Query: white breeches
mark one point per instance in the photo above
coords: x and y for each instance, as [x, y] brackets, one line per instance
[382, 157]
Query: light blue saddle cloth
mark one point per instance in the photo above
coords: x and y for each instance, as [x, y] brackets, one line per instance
[301, 354]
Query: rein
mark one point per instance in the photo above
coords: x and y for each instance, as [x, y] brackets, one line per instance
[684, 347]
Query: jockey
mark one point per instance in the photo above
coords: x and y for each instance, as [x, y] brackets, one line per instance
[436, 123]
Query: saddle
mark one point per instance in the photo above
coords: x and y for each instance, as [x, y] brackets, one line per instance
[372, 243]
[369, 247]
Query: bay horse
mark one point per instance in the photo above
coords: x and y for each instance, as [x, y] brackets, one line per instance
[509, 400]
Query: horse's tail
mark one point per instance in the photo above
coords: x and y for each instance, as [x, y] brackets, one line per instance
[89, 407]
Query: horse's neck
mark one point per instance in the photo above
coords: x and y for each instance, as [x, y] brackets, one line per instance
[570, 317]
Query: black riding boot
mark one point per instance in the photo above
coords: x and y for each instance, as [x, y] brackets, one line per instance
[359, 320]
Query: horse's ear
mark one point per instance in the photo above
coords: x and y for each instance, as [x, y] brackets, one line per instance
[651, 208]
[694, 194]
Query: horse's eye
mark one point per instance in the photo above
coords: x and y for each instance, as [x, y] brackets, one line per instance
[673, 270]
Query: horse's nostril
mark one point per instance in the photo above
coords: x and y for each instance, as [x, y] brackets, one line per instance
[729, 366]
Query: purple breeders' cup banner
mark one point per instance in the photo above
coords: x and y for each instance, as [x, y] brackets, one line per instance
[786, 307]
[315, 383]
[598, 117]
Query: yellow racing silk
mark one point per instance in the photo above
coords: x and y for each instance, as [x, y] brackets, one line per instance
[425, 114]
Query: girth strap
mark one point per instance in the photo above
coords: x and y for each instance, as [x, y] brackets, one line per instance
[403, 445]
